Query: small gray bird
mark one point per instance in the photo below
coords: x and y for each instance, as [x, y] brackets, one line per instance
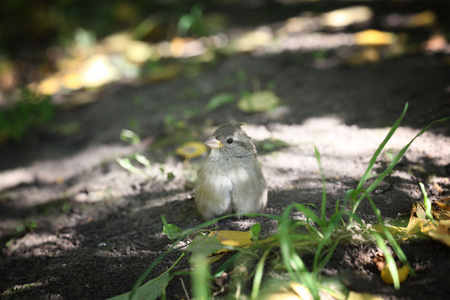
[230, 178]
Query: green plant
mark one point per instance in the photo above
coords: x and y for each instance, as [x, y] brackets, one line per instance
[219, 100]
[127, 162]
[130, 137]
[31, 110]
[192, 22]
[317, 236]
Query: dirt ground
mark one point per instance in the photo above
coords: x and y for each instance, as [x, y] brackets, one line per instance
[98, 227]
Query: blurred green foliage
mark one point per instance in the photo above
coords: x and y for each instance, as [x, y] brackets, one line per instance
[193, 22]
[39, 24]
[31, 110]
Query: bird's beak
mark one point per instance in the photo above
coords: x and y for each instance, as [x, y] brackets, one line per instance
[214, 143]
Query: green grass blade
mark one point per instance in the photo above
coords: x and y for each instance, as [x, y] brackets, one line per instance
[309, 214]
[150, 290]
[395, 246]
[394, 162]
[226, 265]
[336, 209]
[294, 264]
[258, 275]
[127, 165]
[326, 240]
[389, 259]
[427, 203]
[324, 188]
[379, 149]
[347, 197]
[200, 277]
[141, 279]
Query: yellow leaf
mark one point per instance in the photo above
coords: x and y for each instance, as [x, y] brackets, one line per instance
[441, 215]
[427, 226]
[50, 85]
[414, 225]
[229, 238]
[72, 81]
[418, 221]
[441, 232]
[418, 210]
[139, 52]
[362, 296]
[233, 238]
[191, 150]
[444, 203]
[374, 37]
[395, 230]
[402, 274]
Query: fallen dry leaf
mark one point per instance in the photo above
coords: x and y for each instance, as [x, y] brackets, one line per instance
[444, 203]
[374, 37]
[441, 232]
[191, 150]
[362, 296]
[229, 238]
[232, 238]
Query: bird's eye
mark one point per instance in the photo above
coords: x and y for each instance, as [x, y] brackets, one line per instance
[230, 141]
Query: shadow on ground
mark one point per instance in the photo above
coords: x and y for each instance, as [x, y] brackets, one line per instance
[99, 227]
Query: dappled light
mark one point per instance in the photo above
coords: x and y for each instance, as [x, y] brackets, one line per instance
[120, 57]
[88, 63]
[124, 172]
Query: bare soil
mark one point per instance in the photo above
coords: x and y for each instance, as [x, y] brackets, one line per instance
[98, 227]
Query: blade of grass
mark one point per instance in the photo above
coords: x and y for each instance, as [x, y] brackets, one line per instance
[427, 204]
[347, 197]
[183, 235]
[395, 246]
[127, 165]
[225, 265]
[393, 162]
[309, 214]
[200, 277]
[336, 209]
[294, 264]
[327, 257]
[378, 151]
[389, 259]
[258, 275]
[172, 247]
[326, 240]
[149, 269]
[324, 188]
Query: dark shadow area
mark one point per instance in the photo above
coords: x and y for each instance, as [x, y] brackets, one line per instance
[369, 97]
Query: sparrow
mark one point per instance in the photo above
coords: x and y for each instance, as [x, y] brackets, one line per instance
[230, 179]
